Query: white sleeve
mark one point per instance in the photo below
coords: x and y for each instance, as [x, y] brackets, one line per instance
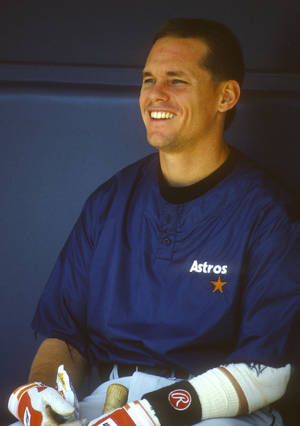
[220, 391]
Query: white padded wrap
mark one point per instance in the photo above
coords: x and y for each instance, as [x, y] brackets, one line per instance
[261, 385]
[217, 394]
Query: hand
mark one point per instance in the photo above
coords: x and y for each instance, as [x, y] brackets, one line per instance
[177, 405]
[38, 405]
[137, 413]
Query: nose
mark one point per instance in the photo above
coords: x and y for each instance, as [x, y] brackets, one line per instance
[158, 92]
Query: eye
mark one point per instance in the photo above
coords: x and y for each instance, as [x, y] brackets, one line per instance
[148, 80]
[176, 81]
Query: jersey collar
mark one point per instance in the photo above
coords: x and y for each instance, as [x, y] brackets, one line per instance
[177, 195]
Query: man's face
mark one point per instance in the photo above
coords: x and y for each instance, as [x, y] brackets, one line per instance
[178, 99]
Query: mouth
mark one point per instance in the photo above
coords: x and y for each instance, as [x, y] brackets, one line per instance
[161, 115]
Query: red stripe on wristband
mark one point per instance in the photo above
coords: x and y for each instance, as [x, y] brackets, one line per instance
[119, 417]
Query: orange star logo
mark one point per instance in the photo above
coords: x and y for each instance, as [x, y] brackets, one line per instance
[218, 285]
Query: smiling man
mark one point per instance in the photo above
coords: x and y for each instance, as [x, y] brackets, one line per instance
[181, 275]
[184, 109]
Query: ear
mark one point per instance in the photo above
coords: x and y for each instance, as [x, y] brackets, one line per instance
[229, 95]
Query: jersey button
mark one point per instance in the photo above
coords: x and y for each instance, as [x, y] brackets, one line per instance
[166, 241]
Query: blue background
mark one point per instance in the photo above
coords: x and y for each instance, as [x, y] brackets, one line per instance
[69, 118]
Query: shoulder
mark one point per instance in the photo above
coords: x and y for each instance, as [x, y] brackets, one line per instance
[118, 188]
[126, 177]
[262, 192]
[267, 211]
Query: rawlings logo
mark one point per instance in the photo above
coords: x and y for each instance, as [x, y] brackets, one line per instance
[180, 399]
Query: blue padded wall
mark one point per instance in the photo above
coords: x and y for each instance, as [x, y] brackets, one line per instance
[69, 119]
[57, 146]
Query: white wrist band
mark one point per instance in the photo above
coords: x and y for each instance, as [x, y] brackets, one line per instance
[261, 385]
[217, 394]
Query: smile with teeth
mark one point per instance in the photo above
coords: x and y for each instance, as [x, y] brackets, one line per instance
[161, 115]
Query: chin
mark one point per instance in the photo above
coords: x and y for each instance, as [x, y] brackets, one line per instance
[166, 146]
[161, 142]
[161, 145]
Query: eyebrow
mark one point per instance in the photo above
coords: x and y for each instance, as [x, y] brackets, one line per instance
[169, 73]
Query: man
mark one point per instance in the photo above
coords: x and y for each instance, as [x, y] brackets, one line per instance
[182, 269]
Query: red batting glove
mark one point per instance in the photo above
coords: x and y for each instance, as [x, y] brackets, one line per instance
[137, 413]
[38, 405]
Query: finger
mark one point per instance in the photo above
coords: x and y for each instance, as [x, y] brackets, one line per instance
[57, 403]
[54, 418]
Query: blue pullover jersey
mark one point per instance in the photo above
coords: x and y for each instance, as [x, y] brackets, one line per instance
[193, 277]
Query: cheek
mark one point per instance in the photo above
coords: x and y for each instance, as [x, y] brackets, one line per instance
[143, 101]
[204, 108]
[141, 104]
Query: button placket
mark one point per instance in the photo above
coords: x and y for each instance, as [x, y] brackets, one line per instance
[169, 219]
[166, 241]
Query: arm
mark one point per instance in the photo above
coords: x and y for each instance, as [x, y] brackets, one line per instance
[50, 355]
[38, 402]
[225, 391]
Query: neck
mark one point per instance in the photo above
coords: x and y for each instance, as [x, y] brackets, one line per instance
[186, 168]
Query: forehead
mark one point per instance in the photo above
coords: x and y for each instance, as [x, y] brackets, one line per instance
[176, 52]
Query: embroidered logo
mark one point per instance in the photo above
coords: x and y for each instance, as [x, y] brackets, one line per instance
[218, 285]
[206, 268]
[180, 399]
